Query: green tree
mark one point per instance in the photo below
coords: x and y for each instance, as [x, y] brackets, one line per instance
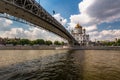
[62, 43]
[12, 41]
[31, 43]
[57, 43]
[9, 41]
[39, 41]
[118, 42]
[112, 43]
[24, 42]
[48, 42]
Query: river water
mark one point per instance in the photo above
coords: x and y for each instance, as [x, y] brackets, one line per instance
[59, 65]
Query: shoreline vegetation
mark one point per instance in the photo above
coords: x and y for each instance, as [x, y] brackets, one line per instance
[40, 44]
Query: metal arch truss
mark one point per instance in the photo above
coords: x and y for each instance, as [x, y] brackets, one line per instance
[35, 8]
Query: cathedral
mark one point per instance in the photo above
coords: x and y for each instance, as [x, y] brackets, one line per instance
[80, 35]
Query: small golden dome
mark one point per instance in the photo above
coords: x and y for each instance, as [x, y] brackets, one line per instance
[84, 29]
[78, 26]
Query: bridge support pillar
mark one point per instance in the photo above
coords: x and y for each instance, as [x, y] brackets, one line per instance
[72, 43]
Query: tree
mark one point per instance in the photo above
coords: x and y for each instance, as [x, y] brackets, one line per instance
[48, 42]
[57, 43]
[31, 43]
[39, 41]
[112, 43]
[118, 42]
[62, 43]
[12, 41]
[24, 41]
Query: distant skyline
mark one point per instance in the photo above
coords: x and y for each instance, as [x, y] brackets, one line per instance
[101, 19]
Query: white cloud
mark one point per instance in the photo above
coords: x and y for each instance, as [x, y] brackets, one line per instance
[105, 34]
[84, 5]
[60, 19]
[6, 30]
[91, 28]
[5, 22]
[82, 19]
[104, 10]
[30, 33]
[96, 12]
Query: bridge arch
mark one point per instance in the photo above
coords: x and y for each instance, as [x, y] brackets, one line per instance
[36, 15]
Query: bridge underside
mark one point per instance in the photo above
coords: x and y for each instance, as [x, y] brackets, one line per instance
[44, 21]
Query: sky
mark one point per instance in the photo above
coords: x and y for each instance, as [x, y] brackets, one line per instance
[100, 18]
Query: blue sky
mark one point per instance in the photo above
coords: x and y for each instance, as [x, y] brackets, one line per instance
[64, 7]
[100, 18]
[69, 7]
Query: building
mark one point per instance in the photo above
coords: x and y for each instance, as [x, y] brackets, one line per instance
[80, 35]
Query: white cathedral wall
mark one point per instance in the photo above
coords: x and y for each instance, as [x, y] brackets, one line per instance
[80, 36]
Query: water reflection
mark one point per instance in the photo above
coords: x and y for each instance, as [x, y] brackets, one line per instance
[60, 65]
[102, 65]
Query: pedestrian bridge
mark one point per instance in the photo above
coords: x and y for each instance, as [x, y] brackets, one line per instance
[34, 13]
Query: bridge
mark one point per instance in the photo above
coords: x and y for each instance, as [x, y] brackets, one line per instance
[34, 13]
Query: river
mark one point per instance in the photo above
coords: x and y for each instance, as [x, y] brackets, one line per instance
[59, 65]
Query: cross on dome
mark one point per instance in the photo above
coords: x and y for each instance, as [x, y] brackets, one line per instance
[78, 26]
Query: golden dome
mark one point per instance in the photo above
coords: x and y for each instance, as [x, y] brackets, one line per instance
[78, 26]
[84, 29]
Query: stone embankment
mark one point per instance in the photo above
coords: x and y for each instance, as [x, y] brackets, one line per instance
[98, 48]
[45, 47]
[27, 47]
[91, 48]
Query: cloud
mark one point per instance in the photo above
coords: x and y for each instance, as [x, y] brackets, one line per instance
[105, 34]
[91, 28]
[104, 10]
[31, 33]
[83, 18]
[60, 19]
[4, 24]
[96, 12]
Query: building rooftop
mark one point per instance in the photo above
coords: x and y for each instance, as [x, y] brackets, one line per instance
[78, 26]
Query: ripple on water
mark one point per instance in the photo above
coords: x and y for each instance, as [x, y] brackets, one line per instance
[61, 65]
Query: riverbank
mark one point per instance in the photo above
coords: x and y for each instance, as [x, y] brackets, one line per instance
[45, 47]
[97, 48]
